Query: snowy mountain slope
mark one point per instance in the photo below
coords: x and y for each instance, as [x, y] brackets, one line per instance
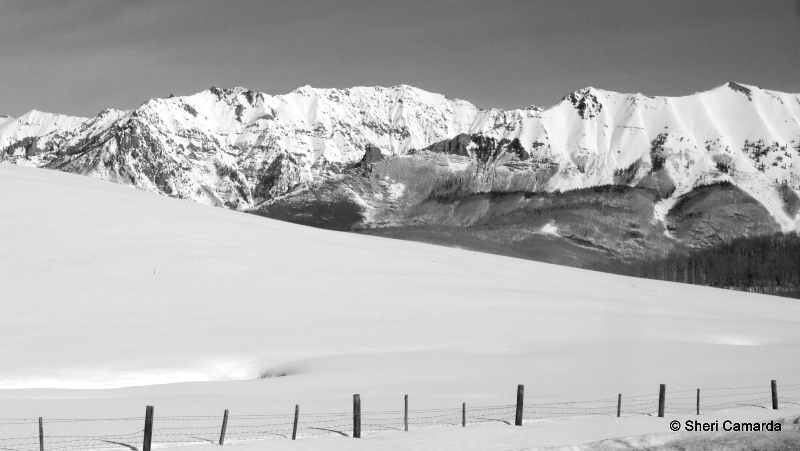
[237, 147]
[244, 150]
[745, 135]
[19, 137]
[106, 286]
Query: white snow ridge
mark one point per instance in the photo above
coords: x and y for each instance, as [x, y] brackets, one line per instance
[237, 148]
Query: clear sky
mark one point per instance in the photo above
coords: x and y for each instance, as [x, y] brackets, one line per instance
[81, 56]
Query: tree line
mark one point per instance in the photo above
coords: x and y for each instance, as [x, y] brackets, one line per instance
[765, 264]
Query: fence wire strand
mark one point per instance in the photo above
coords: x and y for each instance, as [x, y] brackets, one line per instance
[204, 429]
[116, 441]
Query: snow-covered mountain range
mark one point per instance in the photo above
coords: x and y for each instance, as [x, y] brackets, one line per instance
[244, 150]
[18, 135]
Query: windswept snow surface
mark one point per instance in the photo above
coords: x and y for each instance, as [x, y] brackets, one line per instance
[107, 286]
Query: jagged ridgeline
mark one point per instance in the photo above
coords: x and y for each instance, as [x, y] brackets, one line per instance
[598, 176]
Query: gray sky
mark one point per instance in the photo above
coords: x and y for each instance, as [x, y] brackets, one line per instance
[81, 56]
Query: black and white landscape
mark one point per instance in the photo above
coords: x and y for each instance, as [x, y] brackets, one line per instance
[247, 250]
[596, 180]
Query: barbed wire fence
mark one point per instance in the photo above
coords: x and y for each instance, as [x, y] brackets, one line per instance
[128, 433]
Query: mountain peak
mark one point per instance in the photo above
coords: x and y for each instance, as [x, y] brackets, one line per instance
[238, 148]
[37, 116]
[32, 113]
[734, 86]
[224, 92]
[738, 87]
[586, 102]
[586, 90]
[305, 90]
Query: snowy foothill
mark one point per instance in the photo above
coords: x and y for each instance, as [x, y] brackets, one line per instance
[114, 298]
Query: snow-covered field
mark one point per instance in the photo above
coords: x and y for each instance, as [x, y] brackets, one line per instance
[104, 286]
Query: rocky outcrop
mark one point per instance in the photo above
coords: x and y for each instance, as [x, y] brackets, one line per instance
[372, 155]
[240, 149]
[586, 103]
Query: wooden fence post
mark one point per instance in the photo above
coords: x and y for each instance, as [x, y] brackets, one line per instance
[148, 428]
[296, 416]
[405, 414]
[774, 394]
[698, 401]
[41, 435]
[662, 396]
[356, 416]
[463, 415]
[520, 403]
[224, 426]
[619, 405]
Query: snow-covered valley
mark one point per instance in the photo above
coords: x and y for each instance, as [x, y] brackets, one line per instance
[104, 286]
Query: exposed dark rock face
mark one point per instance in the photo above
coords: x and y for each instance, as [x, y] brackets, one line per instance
[791, 201]
[742, 89]
[372, 155]
[278, 177]
[22, 147]
[587, 104]
[456, 146]
[488, 151]
[519, 178]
